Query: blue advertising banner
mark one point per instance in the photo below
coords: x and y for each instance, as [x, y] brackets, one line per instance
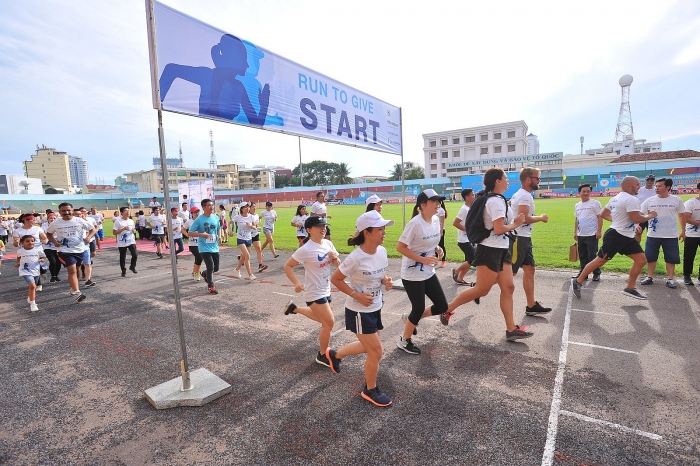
[206, 72]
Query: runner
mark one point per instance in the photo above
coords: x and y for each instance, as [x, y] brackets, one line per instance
[206, 229]
[492, 257]
[587, 228]
[442, 216]
[90, 249]
[298, 222]
[317, 255]
[373, 202]
[318, 209]
[269, 217]
[51, 252]
[29, 260]
[144, 231]
[691, 225]
[177, 232]
[4, 229]
[224, 224]
[66, 233]
[124, 230]
[99, 220]
[244, 238]
[192, 244]
[463, 239]
[256, 237]
[367, 268]
[28, 227]
[157, 223]
[418, 245]
[2, 253]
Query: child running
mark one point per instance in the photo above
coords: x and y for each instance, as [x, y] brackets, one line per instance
[367, 268]
[29, 260]
[317, 255]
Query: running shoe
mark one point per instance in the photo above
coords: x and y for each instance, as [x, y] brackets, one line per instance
[647, 281]
[289, 308]
[90, 283]
[445, 317]
[238, 273]
[33, 307]
[123, 273]
[443, 264]
[197, 277]
[537, 309]
[596, 277]
[576, 287]
[404, 317]
[687, 280]
[454, 277]
[133, 269]
[79, 297]
[251, 277]
[39, 287]
[160, 256]
[212, 290]
[671, 283]
[633, 293]
[322, 360]
[333, 362]
[275, 256]
[58, 279]
[376, 397]
[53, 280]
[261, 267]
[518, 333]
[408, 346]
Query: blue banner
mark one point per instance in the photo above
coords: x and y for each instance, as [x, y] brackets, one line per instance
[207, 72]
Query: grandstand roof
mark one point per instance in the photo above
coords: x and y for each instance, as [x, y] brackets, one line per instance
[646, 156]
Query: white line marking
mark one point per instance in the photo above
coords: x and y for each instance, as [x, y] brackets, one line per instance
[600, 312]
[611, 424]
[154, 275]
[602, 347]
[283, 294]
[553, 424]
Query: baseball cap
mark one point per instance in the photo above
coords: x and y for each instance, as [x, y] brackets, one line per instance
[650, 176]
[194, 209]
[244, 204]
[314, 222]
[268, 203]
[429, 195]
[373, 199]
[371, 219]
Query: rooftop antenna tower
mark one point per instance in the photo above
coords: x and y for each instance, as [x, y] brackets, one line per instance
[212, 157]
[624, 134]
[182, 164]
[581, 145]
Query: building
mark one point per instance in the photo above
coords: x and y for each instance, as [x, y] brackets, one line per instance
[78, 171]
[370, 179]
[635, 146]
[258, 177]
[533, 144]
[51, 167]
[224, 176]
[16, 184]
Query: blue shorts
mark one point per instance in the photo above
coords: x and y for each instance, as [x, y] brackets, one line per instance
[672, 253]
[268, 230]
[325, 300]
[71, 258]
[247, 242]
[100, 234]
[86, 257]
[363, 323]
[31, 279]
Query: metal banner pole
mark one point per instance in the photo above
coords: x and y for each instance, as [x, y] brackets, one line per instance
[301, 167]
[403, 170]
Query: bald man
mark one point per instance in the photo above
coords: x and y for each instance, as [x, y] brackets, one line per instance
[624, 211]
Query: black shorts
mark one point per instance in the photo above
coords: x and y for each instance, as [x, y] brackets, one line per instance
[157, 238]
[93, 248]
[615, 243]
[644, 225]
[328, 230]
[70, 258]
[521, 252]
[256, 238]
[363, 323]
[468, 250]
[493, 258]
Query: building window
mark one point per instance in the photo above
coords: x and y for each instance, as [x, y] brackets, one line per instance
[432, 143]
[485, 137]
[455, 140]
[484, 150]
[443, 166]
[497, 135]
[433, 166]
[469, 138]
[433, 156]
[444, 154]
[455, 154]
[511, 134]
[433, 175]
[511, 147]
[497, 149]
[443, 142]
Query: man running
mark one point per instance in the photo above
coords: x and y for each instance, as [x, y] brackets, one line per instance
[318, 209]
[99, 220]
[587, 228]
[206, 229]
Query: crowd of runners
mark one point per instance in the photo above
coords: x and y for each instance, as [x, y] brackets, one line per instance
[501, 245]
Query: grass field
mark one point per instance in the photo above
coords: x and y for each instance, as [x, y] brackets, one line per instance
[551, 240]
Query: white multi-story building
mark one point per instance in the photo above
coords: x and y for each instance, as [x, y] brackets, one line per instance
[78, 167]
[533, 144]
[636, 146]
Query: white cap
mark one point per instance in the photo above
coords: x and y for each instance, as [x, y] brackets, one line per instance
[243, 204]
[373, 199]
[371, 219]
[432, 195]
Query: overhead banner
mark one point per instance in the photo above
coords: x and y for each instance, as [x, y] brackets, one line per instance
[206, 72]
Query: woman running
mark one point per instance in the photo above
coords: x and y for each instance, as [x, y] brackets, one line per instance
[245, 223]
[224, 223]
[298, 222]
[367, 268]
[256, 237]
[442, 215]
[193, 245]
[418, 245]
[373, 202]
[50, 250]
[317, 255]
[269, 217]
[492, 258]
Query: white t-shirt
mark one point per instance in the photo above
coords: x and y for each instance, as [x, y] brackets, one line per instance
[301, 231]
[645, 193]
[441, 213]
[157, 224]
[154, 204]
[184, 215]
[126, 237]
[317, 268]
[496, 208]
[49, 244]
[421, 238]
[70, 234]
[186, 226]
[522, 197]
[365, 272]
[33, 231]
[98, 218]
[692, 206]
[256, 224]
[462, 236]
[619, 206]
[318, 209]
[177, 227]
[93, 225]
[269, 217]
[29, 261]
[4, 227]
[245, 232]
[142, 220]
[586, 214]
[665, 225]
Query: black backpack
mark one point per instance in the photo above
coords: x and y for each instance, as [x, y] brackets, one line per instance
[474, 223]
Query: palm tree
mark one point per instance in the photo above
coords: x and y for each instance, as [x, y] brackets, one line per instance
[342, 174]
[395, 174]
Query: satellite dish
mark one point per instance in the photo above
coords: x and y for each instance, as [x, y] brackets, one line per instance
[626, 80]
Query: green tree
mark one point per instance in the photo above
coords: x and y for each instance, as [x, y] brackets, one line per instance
[316, 173]
[342, 174]
[395, 174]
[415, 173]
[281, 181]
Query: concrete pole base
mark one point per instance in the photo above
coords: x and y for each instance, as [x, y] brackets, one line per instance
[206, 387]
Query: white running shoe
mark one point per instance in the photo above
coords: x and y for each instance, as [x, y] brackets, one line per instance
[39, 287]
[238, 272]
[252, 277]
[33, 307]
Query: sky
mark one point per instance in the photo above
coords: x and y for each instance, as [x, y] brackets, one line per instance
[75, 75]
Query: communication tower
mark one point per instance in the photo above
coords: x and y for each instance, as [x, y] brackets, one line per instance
[581, 145]
[624, 134]
[182, 164]
[212, 157]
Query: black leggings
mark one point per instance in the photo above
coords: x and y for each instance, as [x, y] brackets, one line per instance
[211, 261]
[689, 251]
[122, 256]
[54, 263]
[442, 245]
[418, 290]
[195, 252]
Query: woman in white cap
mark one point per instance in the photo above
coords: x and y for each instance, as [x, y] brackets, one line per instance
[298, 223]
[317, 255]
[246, 226]
[373, 202]
[418, 245]
[269, 218]
[366, 267]
[256, 237]
[193, 245]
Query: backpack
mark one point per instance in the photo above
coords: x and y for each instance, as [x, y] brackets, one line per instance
[474, 223]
